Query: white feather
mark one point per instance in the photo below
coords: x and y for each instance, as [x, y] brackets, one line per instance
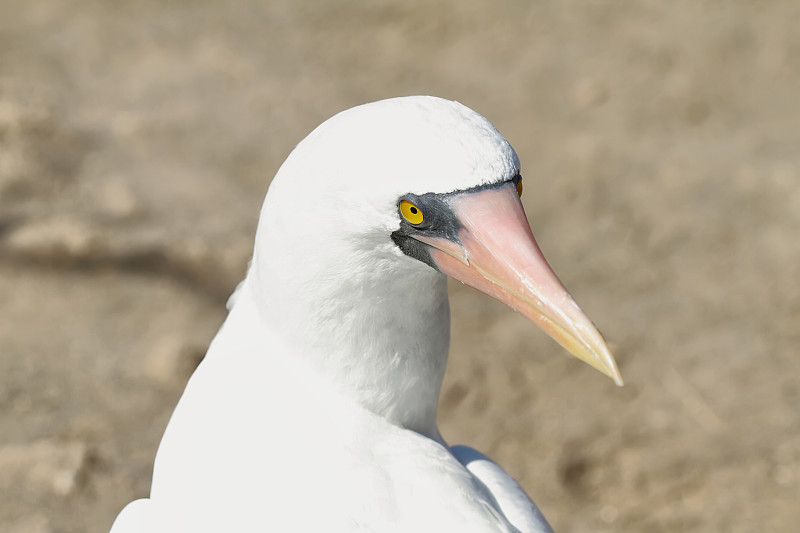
[315, 407]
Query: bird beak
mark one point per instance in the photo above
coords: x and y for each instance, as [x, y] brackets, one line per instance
[498, 255]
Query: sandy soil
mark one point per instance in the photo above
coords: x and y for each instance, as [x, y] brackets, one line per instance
[659, 143]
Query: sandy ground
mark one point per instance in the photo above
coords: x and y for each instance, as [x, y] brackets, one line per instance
[659, 143]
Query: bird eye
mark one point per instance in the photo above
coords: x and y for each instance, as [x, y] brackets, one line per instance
[519, 187]
[411, 213]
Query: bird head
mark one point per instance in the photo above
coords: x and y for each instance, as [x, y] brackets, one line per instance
[417, 187]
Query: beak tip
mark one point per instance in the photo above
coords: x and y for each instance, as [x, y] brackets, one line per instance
[611, 370]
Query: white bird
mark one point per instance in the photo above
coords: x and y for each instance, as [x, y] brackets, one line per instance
[315, 406]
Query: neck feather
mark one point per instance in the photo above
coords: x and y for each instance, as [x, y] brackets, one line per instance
[380, 335]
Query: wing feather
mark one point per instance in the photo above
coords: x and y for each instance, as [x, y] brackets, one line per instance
[512, 501]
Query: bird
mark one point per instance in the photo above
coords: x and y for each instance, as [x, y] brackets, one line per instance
[315, 406]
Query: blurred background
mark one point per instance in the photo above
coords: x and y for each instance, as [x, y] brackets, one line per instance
[659, 143]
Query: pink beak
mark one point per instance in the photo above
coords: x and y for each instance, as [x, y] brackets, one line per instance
[499, 256]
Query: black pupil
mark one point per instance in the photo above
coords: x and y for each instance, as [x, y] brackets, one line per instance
[413, 210]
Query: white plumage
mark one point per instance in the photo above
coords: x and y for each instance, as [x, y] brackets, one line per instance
[315, 407]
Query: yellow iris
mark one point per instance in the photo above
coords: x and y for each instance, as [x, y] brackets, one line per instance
[411, 212]
[519, 187]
